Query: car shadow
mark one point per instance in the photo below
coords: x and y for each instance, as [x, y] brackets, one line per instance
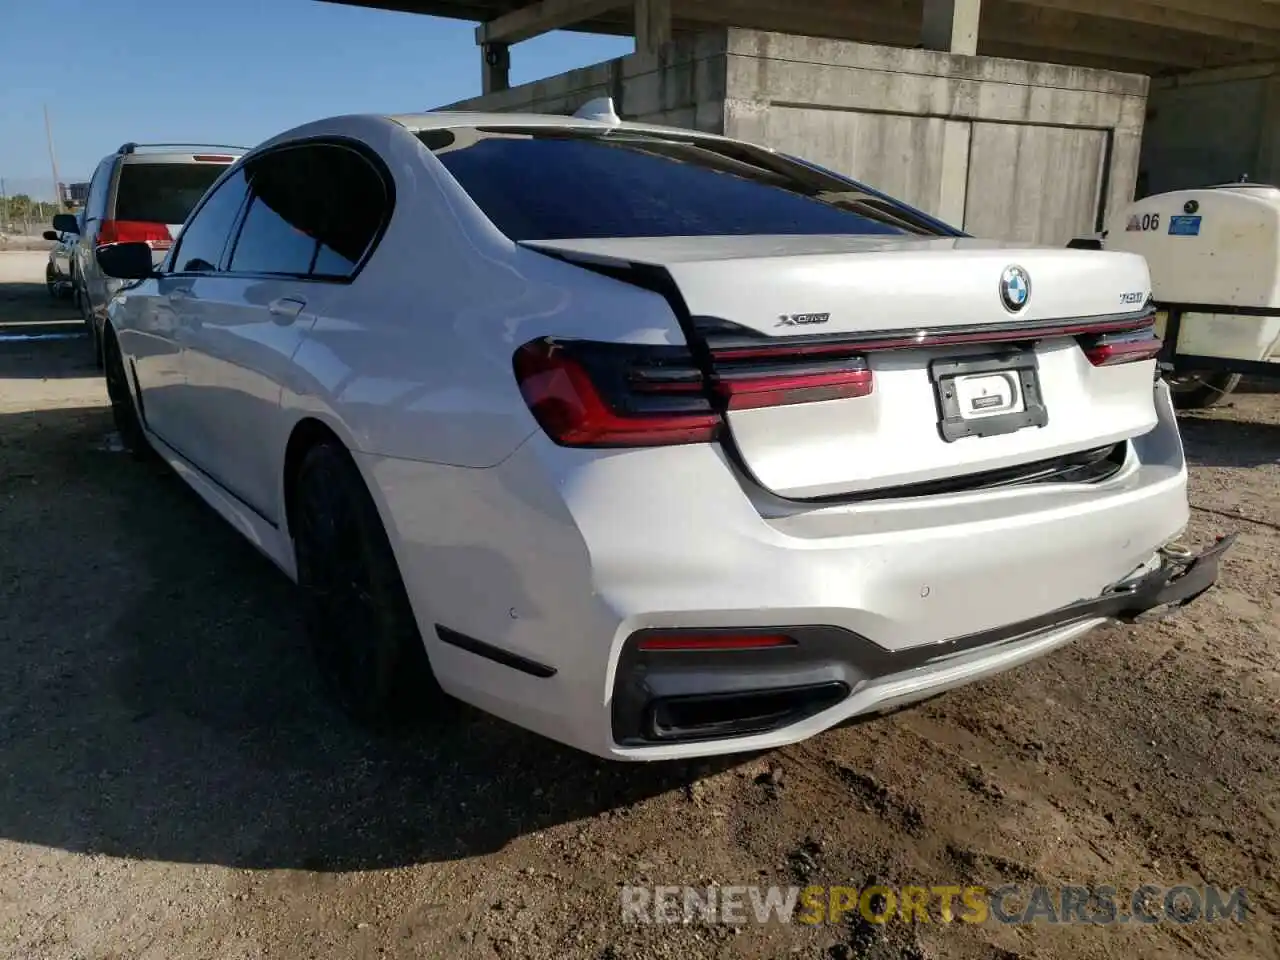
[41, 338]
[1214, 442]
[158, 700]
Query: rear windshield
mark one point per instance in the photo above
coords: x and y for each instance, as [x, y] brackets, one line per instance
[163, 192]
[540, 184]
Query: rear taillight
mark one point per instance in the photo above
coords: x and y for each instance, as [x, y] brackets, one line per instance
[134, 231]
[589, 394]
[1107, 350]
[586, 394]
[747, 387]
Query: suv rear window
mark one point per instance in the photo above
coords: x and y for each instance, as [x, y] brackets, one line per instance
[163, 192]
[556, 184]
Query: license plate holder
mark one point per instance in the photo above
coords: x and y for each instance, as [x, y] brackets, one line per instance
[988, 396]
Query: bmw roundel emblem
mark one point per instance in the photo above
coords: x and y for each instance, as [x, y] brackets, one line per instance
[1015, 288]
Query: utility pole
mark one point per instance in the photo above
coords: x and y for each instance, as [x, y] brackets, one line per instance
[53, 161]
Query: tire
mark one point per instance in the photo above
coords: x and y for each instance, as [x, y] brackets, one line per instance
[1198, 391]
[51, 281]
[123, 409]
[95, 335]
[361, 627]
[97, 348]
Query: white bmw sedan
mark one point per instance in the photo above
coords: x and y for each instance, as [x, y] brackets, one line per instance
[657, 443]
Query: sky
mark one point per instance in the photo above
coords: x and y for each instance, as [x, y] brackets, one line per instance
[228, 71]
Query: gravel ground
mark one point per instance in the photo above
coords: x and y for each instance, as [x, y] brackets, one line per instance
[173, 785]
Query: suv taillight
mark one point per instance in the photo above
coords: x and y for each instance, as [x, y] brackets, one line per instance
[134, 231]
[589, 394]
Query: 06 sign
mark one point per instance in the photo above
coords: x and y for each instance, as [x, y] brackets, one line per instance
[1143, 223]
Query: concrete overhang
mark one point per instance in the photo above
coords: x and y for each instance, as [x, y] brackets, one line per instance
[1141, 36]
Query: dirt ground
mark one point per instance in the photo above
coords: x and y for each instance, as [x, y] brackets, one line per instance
[173, 784]
[23, 242]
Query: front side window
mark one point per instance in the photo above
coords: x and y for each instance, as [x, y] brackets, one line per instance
[555, 184]
[202, 241]
[316, 210]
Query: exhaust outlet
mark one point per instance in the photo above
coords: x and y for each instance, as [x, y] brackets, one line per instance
[1177, 551]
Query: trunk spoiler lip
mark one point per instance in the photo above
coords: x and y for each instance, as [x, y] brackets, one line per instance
[728, 340]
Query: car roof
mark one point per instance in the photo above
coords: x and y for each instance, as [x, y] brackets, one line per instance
[446, 119]
[176, 152]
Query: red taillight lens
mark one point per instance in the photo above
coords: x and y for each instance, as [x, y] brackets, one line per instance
[715, 641]
[134, 231]
[748, 392]
[588, 394]
[1115, 348]
[212, 158]
[583, 395]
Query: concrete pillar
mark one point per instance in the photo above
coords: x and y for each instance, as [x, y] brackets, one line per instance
[653, 24]
[495, 66]
[953, 189]
[951, 26]
[1267, 169]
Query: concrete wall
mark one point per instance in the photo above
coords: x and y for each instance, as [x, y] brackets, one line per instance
[682, 86]
[1007, 149]
[1212, 126]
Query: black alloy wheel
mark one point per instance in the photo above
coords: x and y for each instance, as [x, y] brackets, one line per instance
[361, 626]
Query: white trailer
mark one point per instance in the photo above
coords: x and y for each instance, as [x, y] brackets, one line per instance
[1214, 258]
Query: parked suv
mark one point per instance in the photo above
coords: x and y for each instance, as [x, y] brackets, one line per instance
[139, 193]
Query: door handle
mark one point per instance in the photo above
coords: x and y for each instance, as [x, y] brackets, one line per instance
[180, 293]
[285, 310]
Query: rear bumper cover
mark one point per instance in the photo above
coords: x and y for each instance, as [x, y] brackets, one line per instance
[559, 557]
[1174, 582]
[671, 697]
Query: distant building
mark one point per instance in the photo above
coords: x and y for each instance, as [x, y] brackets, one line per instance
[74, 193]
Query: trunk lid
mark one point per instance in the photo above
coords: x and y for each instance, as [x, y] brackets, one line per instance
[963, 382]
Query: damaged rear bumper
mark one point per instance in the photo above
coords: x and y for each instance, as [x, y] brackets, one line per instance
[830, 674]
[1174, 582]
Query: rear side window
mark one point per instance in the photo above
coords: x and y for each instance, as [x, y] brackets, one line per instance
[273, 238]
[163, 192]
[357, 204]
[98, 190]
[561, 184]
[316, 210]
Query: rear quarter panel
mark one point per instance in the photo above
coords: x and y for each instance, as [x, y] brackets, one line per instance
[414, 357]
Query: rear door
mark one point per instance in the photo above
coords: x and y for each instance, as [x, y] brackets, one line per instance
[312, 215]
[156, 337]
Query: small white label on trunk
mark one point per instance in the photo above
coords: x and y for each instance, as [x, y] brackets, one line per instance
[989, 395]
